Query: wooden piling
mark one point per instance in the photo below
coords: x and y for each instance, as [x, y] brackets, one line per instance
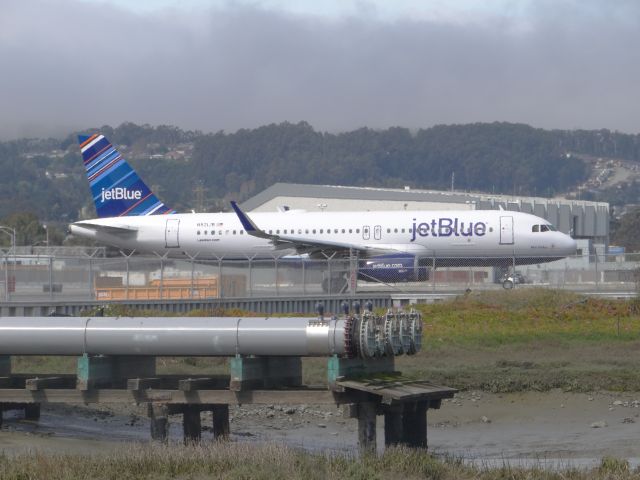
[221, 427]
[367, 427]
[32, 411]
[393, 427]
[191, 424]
[159, 421]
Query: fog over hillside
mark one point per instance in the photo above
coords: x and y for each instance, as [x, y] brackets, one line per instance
[72, 64]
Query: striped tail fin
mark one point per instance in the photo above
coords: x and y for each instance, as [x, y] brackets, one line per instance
[116, 188]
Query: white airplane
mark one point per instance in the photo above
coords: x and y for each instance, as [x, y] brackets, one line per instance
[132, 217]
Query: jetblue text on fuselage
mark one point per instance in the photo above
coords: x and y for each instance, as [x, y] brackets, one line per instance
[120, 193]
[447, 227]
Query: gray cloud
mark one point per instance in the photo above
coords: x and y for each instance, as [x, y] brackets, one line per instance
[558, 64]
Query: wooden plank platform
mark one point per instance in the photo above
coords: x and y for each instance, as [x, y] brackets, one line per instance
[393, 390]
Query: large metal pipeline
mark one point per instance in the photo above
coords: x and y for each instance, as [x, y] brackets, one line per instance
[364, 336]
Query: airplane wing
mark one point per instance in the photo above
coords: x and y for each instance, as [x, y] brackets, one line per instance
[303, 245]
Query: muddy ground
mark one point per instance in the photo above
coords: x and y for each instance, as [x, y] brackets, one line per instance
[554, 427]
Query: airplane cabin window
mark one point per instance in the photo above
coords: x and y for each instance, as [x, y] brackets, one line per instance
[343, 230]
[335, 230]
[198, 232]
[395, 230]
[357, 230]
[388, 230]
[350, 230]
[270, 232]
[241, 232]
[306, 230]
[277, 232]
[535, 228]
[321, 230]
[314, 230]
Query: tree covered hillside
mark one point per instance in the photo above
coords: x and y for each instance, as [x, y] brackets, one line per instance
[194, 170]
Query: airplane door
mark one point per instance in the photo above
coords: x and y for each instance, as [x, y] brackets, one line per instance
[506, 230]
[377, 232]
[366, 232]
[171, 233]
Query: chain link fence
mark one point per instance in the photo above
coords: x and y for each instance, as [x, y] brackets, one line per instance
[81, 277]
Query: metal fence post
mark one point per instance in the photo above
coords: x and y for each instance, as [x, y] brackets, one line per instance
[220, 293]
[250, 277]
[126, 287]
[193, 267]
[275, 269]
[597, 280]
[304, 278]
[91, 282]
[50, 277]
[433, 272]
[6, 277]
[353, 271]
[161, 278]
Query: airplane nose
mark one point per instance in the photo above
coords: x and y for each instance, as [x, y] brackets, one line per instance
[569, 245]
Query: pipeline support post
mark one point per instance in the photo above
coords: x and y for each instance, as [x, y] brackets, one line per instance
[100, 370]
[159, 421]
[393, 425]
[5, 365]
[191, 424]
[367, 427]
[340, 368]
[264, 372]
[414, 424]
[221, 427]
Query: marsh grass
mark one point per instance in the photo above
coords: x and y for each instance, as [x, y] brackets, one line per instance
[272, 461]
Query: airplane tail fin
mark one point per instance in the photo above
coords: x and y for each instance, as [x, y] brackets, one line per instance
[116, 188]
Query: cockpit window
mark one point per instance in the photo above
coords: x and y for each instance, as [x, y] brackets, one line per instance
[544, 228]
[535, 228]
[552, 228]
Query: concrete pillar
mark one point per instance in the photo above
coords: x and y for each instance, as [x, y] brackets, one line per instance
[221, 428]
[264, 372]
[367, 427]
[32, 411]
[94, 371]
[191, 424]
[159, 421]
[5, 365]
[393, 427]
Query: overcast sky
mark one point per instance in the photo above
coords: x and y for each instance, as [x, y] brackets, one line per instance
[340, 65]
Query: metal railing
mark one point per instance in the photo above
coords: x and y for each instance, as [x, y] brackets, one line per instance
[38, 277]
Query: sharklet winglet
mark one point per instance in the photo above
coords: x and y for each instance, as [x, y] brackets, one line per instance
[247, 223]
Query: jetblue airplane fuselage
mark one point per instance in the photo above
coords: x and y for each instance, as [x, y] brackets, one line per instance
[469, 234]
[132, 217]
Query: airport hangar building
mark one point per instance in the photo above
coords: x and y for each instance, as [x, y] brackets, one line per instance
[588, 222]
